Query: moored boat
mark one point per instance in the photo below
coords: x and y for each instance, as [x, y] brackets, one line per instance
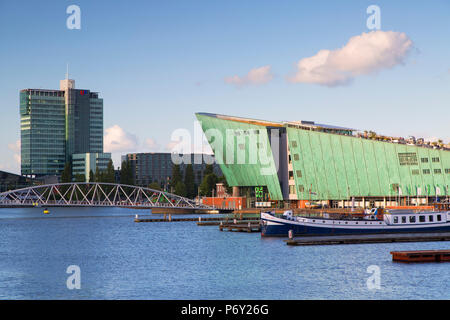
[373, 222]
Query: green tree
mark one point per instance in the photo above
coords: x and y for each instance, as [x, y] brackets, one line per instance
[66, 175]
[208, 184]
[109, 175]
[126, 176]
[208, 169]
[79, 178]
[191, 191]
[155, 186]
[180, 189]
[91, 176]
[176, 176]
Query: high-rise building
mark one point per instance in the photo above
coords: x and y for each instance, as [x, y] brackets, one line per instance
[55, 124]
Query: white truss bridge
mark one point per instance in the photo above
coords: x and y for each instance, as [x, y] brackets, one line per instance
[92, 194]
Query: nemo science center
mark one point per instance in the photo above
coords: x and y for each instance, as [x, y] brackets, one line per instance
[303, 163]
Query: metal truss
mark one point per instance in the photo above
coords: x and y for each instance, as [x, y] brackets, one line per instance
[95, 194]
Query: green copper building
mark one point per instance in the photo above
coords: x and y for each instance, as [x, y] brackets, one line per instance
[302, 161]
[55, 124]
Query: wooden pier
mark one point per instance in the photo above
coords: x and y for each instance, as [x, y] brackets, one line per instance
[421, 256]
[369, 238]
[240, 227]
[201, 221]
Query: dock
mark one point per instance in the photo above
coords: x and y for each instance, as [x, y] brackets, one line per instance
[201, 221]
[421, 256]
[240, 227]
[368, 238]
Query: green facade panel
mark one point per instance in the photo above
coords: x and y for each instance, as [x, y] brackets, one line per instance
[338, 167]
[240, 164]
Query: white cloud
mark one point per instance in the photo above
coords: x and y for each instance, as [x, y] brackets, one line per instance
[259, 75]
[118, 140]
[363, 54]
[15, 147]
[151, 145]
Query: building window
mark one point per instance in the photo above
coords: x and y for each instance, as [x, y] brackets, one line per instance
[296, 157]
[447, 171]
[437, 171]
[435, 159]
[294, 144]
[415, 172]
[291, 189]
[424, 160]
[408, 159]
[301, 188]
[426, 171]
[299, 173]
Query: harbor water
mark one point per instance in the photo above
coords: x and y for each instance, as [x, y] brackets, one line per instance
[121, 259]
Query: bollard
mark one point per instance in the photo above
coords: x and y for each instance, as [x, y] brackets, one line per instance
[291, 234]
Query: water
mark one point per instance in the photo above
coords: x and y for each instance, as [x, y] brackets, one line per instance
[120, 259]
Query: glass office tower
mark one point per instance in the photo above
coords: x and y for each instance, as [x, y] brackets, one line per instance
[55, 124]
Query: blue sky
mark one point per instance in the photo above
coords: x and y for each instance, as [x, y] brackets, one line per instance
[156, 63]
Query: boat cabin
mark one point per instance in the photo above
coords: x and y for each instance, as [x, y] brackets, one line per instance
[405, 218]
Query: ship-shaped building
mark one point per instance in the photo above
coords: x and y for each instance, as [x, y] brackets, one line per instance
[305, 162]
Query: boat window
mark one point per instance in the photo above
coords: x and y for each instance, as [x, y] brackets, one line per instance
[395, 219]
[421, 218]
[430, 218]
[412, 219]
[403, 219]
[438, 217]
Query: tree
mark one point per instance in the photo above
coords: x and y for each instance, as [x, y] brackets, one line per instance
[208, 184]
[98, 175]
[208, 169]
[176, 175]
[180, 189]
[66, 175]
[109, 175]
[79, 178]
[155, 186]
[191, 191]
[126, 176]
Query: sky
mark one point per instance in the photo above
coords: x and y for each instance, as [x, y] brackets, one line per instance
[157, 63]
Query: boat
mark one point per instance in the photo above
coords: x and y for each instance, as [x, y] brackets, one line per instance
[374, 221]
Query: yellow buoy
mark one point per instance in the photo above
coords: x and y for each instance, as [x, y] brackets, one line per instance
[46, 211]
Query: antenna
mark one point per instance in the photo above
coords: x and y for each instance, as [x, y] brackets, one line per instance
[67, 72]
